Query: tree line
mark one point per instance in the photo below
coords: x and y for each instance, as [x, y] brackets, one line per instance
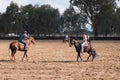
[102, 15]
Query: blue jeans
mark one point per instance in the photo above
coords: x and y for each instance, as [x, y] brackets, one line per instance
[82, 47]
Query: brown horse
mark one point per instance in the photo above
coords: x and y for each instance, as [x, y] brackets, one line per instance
[17, 46]
[88, 49]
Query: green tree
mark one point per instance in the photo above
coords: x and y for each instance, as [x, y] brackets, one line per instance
[9, 18]
[105, 19]
[1, 24]
[116, 28]
[25, 17]
[72, 22]
[48, 19]
[91, 8]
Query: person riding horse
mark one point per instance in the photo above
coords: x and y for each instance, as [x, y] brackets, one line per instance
[85, 41]
[23, 39]
[15, 46]
[66, 38]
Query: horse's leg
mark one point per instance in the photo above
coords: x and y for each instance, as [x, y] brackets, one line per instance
[14, 57]
[79, 56]
[93, 54]
[12, 54]
[13, 51]
[26, 56]
[89, 56]
[92, 57]
[25, 52]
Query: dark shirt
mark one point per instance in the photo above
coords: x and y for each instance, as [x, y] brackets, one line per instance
[23, 37]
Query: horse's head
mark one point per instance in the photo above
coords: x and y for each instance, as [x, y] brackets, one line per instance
[32, 40]
[89, 39]
[71, 42]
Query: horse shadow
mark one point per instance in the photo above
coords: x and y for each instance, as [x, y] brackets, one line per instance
[57, 61]
[64, 61]
[8, 61]
[3, 60]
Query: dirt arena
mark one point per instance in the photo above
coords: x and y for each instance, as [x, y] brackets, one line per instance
[54, 60]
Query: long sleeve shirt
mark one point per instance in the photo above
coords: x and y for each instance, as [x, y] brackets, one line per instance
[84, 37]
[23, 37]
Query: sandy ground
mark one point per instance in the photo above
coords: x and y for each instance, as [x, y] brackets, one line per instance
[54, 60]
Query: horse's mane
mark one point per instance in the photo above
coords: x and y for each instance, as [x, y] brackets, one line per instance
[76, 41]
[31, 37]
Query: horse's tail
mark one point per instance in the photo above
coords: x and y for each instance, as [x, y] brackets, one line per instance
[94, 52]
[9, 51]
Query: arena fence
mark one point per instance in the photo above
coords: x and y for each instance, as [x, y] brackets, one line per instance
[61, 38]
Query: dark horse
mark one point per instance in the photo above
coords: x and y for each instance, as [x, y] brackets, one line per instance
[88, 49]
[17, 46]
[66, 40]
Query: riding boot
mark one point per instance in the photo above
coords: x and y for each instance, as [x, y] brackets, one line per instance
[25, 48]
[82, 51]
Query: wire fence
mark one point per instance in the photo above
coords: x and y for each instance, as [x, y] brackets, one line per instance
[61, 38]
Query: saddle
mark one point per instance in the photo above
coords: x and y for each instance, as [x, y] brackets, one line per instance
[86, 44]
[20, 46]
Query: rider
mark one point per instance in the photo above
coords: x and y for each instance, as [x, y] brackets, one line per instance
[23, 39]
[85, 42]
[66, 37]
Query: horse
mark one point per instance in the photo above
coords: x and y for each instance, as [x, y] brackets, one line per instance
[89, 49]
[17, 46]
[66, 40]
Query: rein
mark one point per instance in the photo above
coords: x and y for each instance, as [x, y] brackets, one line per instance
[29, 41]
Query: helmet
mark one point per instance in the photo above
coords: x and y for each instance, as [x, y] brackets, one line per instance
[83, 33]
[25, 31]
